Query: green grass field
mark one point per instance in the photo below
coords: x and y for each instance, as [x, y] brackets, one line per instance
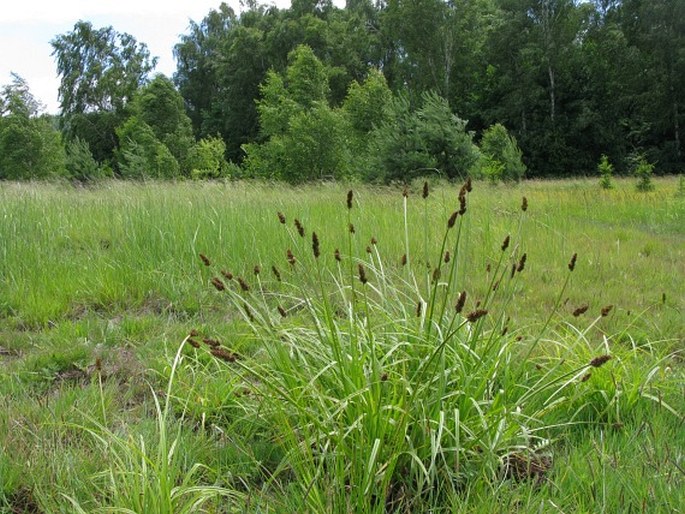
[369, 396]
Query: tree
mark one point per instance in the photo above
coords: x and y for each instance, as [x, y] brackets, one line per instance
[501, 155]
[141, 154]
[30, 147]
[160, 106]
[100, 71]
[412, 143]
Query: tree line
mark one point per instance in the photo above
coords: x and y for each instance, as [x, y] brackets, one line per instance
[379, 91]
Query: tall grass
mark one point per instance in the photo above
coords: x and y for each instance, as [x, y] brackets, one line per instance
[393, 392]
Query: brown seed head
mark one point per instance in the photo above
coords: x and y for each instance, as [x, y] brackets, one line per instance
[488, 268]
[468, 185]
[419, 307]
[461, 301]
[462, 205]
[424, 194]
[282, 311]
[606, 310]
[581, 310]
[374, 242]
[362, 274]
[276, 273]
[351, 228]
[495, 286]
[586, 377]
[524, 204]
[315, 245]
[350, 196]
[227, 274]
[600, 361]
[513, 269]
[505, 243]
[243, 285]
[299, 227]
[257, 269]
[218, 284]
[436, 275]
[192, 342]
[248, 311]
[336, 254]
[384, 377]
[405, 192]
[194, 333]
[368, 249]
[572, 262]
[474, 316]
[213, 343]
[505, 330]
[452, 220]
[522, 263]
[291, 257]
[205, 260]
[281, 217]
[403, 259]
[447, 257]
[223, 354]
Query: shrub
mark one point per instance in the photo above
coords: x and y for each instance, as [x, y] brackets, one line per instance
[606, 170]
[643, 169]
[80, 162]
[206, 159]
[502, 158]
[141, 154]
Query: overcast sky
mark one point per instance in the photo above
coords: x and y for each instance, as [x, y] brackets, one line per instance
[26, 28]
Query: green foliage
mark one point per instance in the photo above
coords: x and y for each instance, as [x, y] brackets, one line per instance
[501, 155]
[100, 69]
[160, 105]
[643, 169]
[206, 159]
[606, 171]
[412, 143]
[141, 154]
[80, 163]
[30, 146]
[305, 138]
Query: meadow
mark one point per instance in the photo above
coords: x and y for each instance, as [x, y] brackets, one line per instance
[187, 347]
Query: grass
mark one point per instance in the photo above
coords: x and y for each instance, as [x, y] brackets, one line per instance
[361, 405]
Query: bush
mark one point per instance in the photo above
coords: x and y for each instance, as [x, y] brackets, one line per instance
[141, 154]
[643, 169]
[606, 170]
[80, 162]
[30, 148]
[206, 159]
[502, 158]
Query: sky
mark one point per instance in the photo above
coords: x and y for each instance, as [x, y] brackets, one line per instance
[26, 29]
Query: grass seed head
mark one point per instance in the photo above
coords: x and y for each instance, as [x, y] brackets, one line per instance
[315, 245]
[223, 354]
[600, 361]
[212, 343]
[218, 284]
[405, 192]
[192, 342]
[351, 228]
[461, 301]
[581, 310]
[524, 204]
[362, 274]
[336, 254]
[572, 262]
[282, 311]
[205, 260]
[368, 249]
[194, 333]
[452, 220]
[447, 257]
[281, 217]
[468, 185]
[291, 257]
[522, 263]
[243, 285]
[419, 307]
[374, 242]
[505, 243]
[257, 269]
[474, 316]
[299, 227]
[586, 377]
[462, 205]
[248, 312]
[350, 197]
[276, 273]
[227, 274]
[606, 310]
[403, 260]
[436, 275]
[424, 194]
